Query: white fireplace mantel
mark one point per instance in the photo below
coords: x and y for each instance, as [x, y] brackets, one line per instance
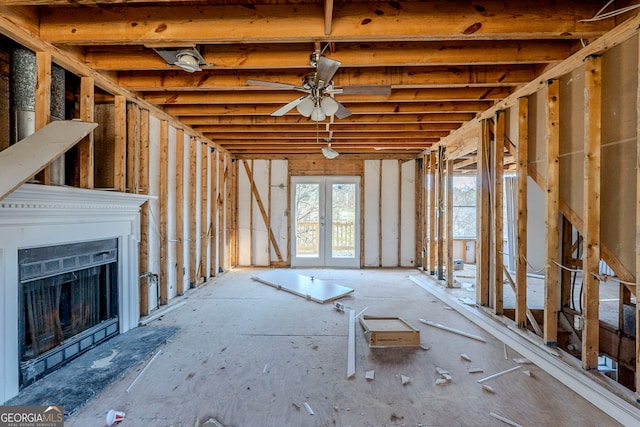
[37, 216]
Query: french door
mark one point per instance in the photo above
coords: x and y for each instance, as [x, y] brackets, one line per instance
[325, 223]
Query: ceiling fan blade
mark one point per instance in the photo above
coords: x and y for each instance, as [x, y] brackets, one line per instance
[272, 84]
[342, 111]
[326, 69]
[286, 108]
[382, 90]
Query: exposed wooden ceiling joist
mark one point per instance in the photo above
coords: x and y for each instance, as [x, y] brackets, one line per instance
[446, 62]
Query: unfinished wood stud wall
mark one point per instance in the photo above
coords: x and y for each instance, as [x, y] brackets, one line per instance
[497, 178]
[522, 174]
[552, 204]
[591, 212]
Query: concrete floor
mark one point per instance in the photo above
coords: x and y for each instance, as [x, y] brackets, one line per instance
[249, 355]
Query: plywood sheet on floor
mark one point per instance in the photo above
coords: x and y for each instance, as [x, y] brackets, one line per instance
[248, 356]
[308, 287]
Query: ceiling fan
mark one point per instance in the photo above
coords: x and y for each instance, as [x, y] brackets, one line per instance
[319, 103]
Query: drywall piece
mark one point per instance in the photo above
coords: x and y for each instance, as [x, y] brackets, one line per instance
[424, 347]
[260, 244]
[619, 409]
[390, 213]
[441, 381]
[369, 375]
[505, 420]
[506, 355]
[455, 331]
[441, 371]
[29, 156]
[527, 373]
[515, 368]
[351, 346]
[473, 370]
[308, 408]
[389, 332]
[463, 356]
[405, 379]
[488, 389]
[307, 287]
[447, 377]
[371, 213]
[522, 361]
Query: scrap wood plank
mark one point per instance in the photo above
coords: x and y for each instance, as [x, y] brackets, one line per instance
[30, 155]
[455, 331]
[351, 346]
[307, 287]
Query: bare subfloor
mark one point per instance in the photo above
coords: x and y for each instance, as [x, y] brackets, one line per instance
[250, 355]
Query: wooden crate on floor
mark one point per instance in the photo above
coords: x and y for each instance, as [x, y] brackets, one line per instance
[384, 331]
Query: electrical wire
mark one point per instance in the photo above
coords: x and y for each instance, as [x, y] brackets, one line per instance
[609, 278]
[599, 16]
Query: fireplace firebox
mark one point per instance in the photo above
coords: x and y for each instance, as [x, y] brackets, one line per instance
[68, 303]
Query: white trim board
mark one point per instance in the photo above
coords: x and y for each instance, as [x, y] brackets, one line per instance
[304, 286]
[577, 380]
[29, 156]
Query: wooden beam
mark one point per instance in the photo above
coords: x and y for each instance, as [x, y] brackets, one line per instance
[223, 250]
[133, 148]
[552, 205]
[231, 183]
[179, 212]
[483, 257]
[193, 212]
[522, 175]
[43, 101]
[591, 211]
[487, 76]
[143, 246]
[360, 108]
[120, 144]
[213, 211]
[205, 224]
[449, 214]
[85, 147]
[366, 119]
[269, 23]
[164, 212]
[420, 194]
[328, 16]
[497, 214]
[280, 97]
[440, 203]
[392, 54]
[432, 213]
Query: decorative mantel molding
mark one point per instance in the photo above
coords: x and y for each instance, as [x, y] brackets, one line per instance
[53, 198]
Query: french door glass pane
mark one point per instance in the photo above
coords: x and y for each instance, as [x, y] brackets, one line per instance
[307, 220]
[343, 221]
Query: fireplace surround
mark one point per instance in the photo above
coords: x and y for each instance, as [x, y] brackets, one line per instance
[38, 219]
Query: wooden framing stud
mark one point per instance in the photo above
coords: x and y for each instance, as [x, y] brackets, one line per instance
[591, 212]
[483, 218]
[85, 147]
[522, 174]
[164, 212]
[179, 211]
[552, 204]
[497, 214]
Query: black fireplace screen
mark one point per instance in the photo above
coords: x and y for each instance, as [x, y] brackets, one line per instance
[66, 290]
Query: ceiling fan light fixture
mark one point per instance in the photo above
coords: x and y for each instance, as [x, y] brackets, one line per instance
[306, 107]
[329, 105]
[329, 152]
[318, 115]
[187, 61]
